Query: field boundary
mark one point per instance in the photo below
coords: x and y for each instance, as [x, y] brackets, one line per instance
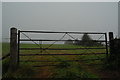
[15, 40]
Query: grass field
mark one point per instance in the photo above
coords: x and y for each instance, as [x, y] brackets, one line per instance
[63, 69]
[5, 48]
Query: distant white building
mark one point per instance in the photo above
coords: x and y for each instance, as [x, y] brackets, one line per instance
[119, 19]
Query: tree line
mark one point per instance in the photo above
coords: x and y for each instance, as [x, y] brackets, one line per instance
[86, 40]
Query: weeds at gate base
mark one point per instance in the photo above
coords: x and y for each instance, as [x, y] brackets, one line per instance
[23, 71]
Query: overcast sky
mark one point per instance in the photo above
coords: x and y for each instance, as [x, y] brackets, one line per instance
[60, 16]
[60, 0]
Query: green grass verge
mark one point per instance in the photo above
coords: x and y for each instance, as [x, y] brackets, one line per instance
[72, 70]
[23, 71]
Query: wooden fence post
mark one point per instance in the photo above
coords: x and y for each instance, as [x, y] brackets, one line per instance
[13, 49]
[111, 43]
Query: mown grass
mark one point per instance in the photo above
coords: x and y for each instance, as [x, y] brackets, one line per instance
[64, 69]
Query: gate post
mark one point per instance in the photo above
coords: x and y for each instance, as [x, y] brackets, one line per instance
[111, 43]
[13, 49]
[106, 44]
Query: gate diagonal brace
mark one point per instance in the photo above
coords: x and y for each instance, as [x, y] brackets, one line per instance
[56, 41]
[30, 39]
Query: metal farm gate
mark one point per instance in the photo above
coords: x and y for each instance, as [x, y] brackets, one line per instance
[71, 39]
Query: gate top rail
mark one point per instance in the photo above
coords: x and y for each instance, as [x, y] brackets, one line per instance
[63, 32]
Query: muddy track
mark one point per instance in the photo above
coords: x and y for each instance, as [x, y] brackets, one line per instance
[44, 72]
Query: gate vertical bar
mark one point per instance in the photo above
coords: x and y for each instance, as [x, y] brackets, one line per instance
[18, 45]
[106, 44]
